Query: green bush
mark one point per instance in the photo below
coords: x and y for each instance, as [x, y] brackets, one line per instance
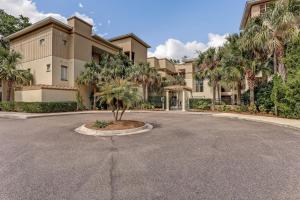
[39, 107]
[155, 101]
[262, 109]
[7, 106]
[252, 108]
[201, 104]
[101, 124]
[147, 106]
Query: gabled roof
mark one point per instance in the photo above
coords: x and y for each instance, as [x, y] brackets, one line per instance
[132, 35]
[247, 10]
[37, 25]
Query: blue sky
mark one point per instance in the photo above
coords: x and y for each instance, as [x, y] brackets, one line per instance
[155, 21]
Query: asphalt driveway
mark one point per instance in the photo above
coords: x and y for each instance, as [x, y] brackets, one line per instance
[184, 157]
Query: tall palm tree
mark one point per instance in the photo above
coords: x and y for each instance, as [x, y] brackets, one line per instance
[9, 72]
[279, 25]
[254, 54]
[146, 76]
[232, 70]
[91, 76]
[210, 69]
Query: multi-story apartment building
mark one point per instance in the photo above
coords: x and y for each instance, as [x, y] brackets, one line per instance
[56, 52]
[253, 8]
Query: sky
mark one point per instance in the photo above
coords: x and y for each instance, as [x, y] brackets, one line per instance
[173, 28]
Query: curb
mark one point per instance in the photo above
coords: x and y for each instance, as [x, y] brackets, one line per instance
[109, 133]
[258, 121]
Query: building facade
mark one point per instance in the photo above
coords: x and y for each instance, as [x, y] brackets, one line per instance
[55, 53]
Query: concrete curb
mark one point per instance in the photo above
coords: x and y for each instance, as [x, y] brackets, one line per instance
[91, 132]
[247, 118]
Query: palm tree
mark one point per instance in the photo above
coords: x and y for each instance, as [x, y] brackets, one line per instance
[232, 70]
[254, 54]
[9, 72]
[279, 25]
[209, 63]
[90, 76]
[146, 76]
[120, 94]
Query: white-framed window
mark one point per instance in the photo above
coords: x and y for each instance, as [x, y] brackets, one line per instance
[48, 68]
[64, 73]
[199, 85]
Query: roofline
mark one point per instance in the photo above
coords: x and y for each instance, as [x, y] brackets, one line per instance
[132, 35]
[247, 8]
[80, 20]
[97, 37]
[37, 25]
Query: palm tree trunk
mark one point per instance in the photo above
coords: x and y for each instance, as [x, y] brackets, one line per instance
[232, 97]
[146, 93]
[275, 62]
[94, 97]
[252, 98]
[218, 93]
[214, 97]
[239, 93]
[9, 90]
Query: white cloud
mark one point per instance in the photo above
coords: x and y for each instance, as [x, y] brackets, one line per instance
[27, 8]
[176, 49]
[80, 5]
[215, 40]
[99, 24]
[108, 22]
[85, 18]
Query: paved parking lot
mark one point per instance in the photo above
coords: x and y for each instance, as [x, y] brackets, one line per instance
[185, 157]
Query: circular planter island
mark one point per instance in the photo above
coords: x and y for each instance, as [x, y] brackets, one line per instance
[118, 128]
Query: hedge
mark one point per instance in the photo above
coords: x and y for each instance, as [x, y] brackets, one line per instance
[201, 104]
[38, 107]
[155, 101]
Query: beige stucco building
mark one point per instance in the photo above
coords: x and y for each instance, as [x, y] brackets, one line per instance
[253, 8]
[56, 52]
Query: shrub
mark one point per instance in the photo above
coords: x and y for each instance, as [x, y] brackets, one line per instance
[201, 104]
[7, 106]
[101, 124]
[147, 106]
[241, 108]
[155, 101]
[262, 109]
[39, 107]
[252, 108]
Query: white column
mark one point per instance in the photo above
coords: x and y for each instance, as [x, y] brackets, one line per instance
[183, 100]
[167, 100]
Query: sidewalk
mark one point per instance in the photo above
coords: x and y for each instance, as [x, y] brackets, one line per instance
[292, 123]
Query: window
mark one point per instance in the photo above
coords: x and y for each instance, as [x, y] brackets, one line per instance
[42, 41]
[48, 68]
[64, 73]
[199, 85]
[65, 42]
[263, 8]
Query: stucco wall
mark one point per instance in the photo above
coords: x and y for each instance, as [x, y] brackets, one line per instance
[45, 95]
[28, 96]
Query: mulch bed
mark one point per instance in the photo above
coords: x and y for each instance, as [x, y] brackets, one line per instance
[119, 125]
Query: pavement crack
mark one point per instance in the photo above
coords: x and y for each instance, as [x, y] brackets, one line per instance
[112, 169]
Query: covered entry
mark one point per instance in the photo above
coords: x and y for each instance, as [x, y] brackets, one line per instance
[177, 97]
